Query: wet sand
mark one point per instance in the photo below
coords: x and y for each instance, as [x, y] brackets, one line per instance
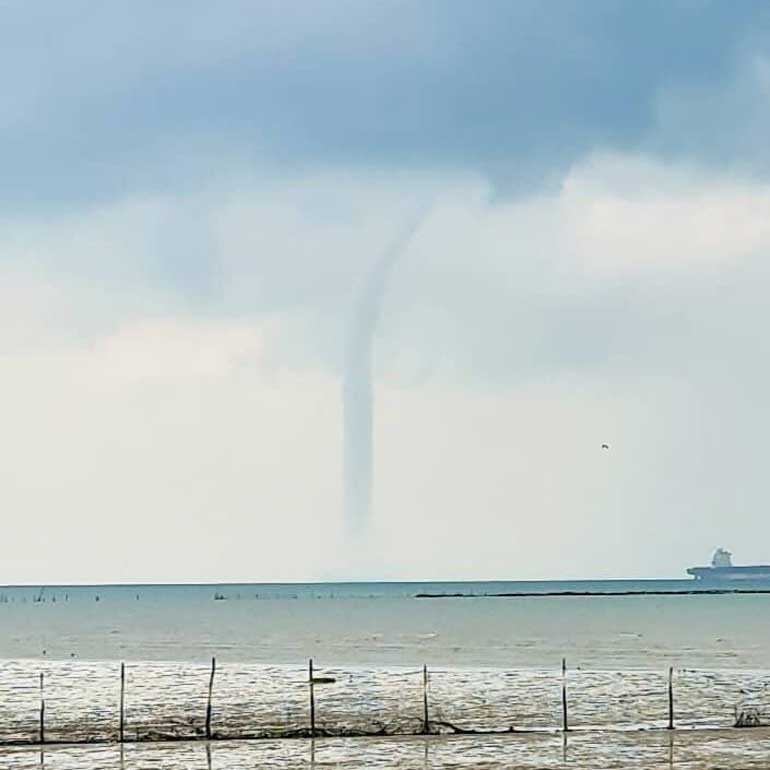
[581, 750]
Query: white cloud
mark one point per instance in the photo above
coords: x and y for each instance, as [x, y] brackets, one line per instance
[173, 350]
[166, 452]
[151, 433]
[620, 215]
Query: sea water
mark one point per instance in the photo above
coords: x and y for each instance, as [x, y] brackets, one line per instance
[727, 750]
[493, 663]
[384, 624]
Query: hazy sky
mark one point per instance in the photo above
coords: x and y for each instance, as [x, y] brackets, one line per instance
[192, 195]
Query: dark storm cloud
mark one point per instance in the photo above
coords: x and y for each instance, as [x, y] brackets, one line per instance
[103, 99]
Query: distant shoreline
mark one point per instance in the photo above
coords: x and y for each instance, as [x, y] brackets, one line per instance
[534, 594]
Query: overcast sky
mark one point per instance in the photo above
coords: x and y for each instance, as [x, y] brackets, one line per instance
[192, 195]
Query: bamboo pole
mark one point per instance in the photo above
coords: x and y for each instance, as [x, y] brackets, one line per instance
[426, 722]
[42, 711]
[122, 699]
[564, 722]
[671, 698]
[208, 704]
[312, 698]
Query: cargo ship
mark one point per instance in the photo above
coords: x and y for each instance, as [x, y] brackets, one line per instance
[722, 570]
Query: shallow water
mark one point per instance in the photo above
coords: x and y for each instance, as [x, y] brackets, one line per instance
[729, 750]
[494, 665]
[383, 625]
[169, 700]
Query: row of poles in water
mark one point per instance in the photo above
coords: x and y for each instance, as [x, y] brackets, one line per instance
[313, 681]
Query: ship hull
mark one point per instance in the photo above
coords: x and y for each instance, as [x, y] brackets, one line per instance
[731, 574]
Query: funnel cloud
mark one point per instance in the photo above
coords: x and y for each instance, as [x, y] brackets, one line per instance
[357, 390]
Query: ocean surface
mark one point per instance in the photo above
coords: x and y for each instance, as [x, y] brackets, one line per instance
[709, 750]
[493, 663]
[384, 624]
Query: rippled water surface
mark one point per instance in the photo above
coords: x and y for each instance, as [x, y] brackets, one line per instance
[494, 665]
[169, 700]
[383, 624]
[731, 750]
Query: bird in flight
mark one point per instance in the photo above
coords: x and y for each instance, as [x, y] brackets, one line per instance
[605, 446]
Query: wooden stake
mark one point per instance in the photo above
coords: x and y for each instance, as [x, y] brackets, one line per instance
[671, 698]
[312, 699]
[211, 690]
[122, 699]
[564, 723]
[42, 711]
[426, 724]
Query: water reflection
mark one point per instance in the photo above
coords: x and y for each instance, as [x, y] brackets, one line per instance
[577, 750]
